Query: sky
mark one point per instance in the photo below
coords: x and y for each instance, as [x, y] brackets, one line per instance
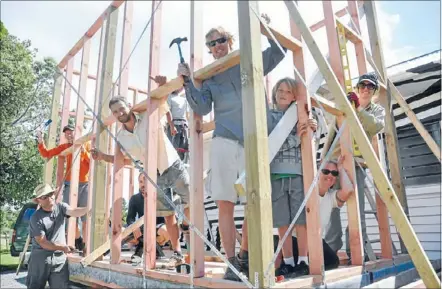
[408, 29]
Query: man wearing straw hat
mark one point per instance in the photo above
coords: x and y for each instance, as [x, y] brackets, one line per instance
[48, 260]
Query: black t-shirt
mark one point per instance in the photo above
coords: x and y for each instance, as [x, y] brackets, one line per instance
[136, 207]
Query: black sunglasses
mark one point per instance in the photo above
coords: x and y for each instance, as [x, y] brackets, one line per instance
[219, 40]
[370, 86]
[326, 172]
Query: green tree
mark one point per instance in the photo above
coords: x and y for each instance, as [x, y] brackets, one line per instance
[26, 93]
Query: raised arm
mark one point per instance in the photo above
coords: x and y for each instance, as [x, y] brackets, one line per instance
[200, 100]
[272, 56]
[346, 185]
[44, 152]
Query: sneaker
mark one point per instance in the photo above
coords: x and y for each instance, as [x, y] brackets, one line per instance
[301, 269]
[136, 260]
[284, 270]
[230, 275]
[175, 260]
[244, 262]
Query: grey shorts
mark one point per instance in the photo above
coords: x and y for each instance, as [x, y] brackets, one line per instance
[287, 196]
[83, 192]
[176, 179]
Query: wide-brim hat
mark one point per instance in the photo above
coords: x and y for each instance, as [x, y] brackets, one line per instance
[42, 190]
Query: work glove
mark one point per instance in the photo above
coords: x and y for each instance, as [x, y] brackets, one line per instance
[353, 98]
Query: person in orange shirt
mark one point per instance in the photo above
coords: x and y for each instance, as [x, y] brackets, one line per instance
[83, 176]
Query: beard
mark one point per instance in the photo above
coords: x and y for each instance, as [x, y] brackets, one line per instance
[124, 119]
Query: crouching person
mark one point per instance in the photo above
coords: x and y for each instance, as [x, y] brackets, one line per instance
[48, 260]
[330, 198]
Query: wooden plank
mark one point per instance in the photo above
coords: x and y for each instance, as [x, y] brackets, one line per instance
[101, 141]
[108, 195]
[89, 33]
[328, 105]
[86, 261]
[288, 42]
[196, 148]
[52, 132]
[152, 136]
[118, 166]
[309, 168]
[76, 156]
[64, 122]
[256, 147]
[386, 189]
[346, 142]
[88, 237]
[434, 147]
[321, 23]
[217, 66]
[391, 140]
[350, 34]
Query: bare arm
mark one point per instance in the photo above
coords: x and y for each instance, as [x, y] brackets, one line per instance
[346, 186]
[77, 212]
[47, 245]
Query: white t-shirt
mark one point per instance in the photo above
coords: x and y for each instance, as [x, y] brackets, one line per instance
[178, 106]
[326, 205]
[135, 143]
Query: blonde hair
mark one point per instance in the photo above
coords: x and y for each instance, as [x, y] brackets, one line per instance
[291, 83]
[222, 32]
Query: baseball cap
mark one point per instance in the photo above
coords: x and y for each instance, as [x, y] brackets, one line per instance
[370, 77]
[68, 127]
[42, 190]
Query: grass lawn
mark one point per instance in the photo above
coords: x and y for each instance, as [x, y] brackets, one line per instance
[7, 262]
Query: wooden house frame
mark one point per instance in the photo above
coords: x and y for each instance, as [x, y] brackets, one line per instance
[391, 199]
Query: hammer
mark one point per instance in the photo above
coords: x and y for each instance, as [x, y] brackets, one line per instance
[178, 41]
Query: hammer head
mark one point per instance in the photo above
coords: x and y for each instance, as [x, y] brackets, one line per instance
[177, 40]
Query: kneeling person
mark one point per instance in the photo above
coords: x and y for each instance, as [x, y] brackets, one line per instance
[48, 260]
[136, 209]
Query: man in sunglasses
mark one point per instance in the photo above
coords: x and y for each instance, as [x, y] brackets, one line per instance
[48, 261]
[372, 118]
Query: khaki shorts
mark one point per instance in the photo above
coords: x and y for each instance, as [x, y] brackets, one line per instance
[226, 164]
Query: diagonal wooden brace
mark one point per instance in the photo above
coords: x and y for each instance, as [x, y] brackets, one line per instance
[86, 261]
[401, 222]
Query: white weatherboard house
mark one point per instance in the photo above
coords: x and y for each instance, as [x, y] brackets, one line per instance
[419, 81]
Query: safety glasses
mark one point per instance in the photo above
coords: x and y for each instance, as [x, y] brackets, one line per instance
[219, 40]
[327, 172]
[370, 86]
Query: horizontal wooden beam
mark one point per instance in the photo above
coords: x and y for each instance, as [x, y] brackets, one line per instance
[94, 77]
[74, 114]
[217, 66]
[350, 34]
[89, 33]
[321, 23]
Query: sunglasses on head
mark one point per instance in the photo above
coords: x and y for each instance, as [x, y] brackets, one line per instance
[370, 86]
[46, 197]
[219, 40]
[327, 172]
